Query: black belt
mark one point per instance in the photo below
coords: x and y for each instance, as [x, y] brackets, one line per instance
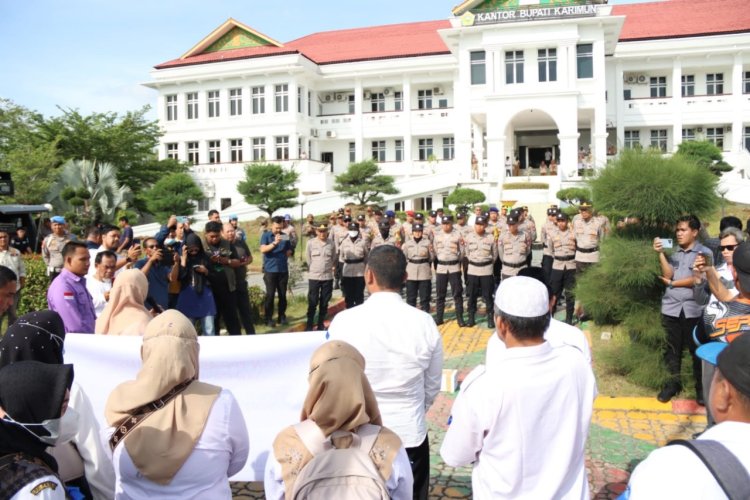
[419, 261]
[517, 265]
[447, 262]
[569, 257]
[480, 264]
[588, 250]
[353, 261]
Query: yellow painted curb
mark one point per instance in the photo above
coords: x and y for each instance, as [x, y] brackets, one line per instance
[630, 403]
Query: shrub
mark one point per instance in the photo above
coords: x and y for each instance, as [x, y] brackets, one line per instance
[257, 297]
[526, 185]
[34, 294]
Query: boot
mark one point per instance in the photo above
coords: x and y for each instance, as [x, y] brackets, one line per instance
[490, 320]
[309, 326]
[471, 321]
[439, 317]
[460, 320]
[321, 327]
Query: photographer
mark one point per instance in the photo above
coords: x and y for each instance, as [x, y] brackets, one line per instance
[161, 266]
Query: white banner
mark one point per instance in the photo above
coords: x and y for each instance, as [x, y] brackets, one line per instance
[266, 373]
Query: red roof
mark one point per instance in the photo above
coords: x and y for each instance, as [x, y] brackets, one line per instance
[664, 19]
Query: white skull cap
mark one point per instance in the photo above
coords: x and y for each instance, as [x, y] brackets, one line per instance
[523, 297]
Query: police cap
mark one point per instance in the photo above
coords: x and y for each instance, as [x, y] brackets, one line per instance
[353, 226]
[417, 227]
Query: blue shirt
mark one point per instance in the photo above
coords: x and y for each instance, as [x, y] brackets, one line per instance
[275, 261]
[68, 297]
[158, 281]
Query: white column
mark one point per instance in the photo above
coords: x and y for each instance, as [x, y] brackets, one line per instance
[676, 103]
[620, 104]
[356, 123]
[568, 156]
[491, 71]
[271, 148]
[461, 118]
[599, 128]
[406, 123]
[737, 100]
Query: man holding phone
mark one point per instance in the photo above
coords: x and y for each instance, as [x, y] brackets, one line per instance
[680, 312]
[276, 248]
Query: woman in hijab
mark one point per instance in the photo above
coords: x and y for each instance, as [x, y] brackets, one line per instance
[82, 460]
[194, 437]
[33, 399]
[125, 313]
[196, 301]
[339, 398]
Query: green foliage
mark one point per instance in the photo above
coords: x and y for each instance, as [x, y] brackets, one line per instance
[525, 185]
[257, 298]
[654, 189]
[34, 293]
[464, 198]
[269, 187]
[363, 182]
[705, 154]
[173, 194]
[574, 195]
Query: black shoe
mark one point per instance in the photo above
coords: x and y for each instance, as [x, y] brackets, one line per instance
[460, 322]
[283, 321]
[668, 392]
[471, 321]
[438, 321]
[309, 327]
[321, 327]
[699, 400]
[270, 323]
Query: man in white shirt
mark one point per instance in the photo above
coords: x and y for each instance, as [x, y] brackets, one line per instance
[11, 258]
[100, 283]
[523, 420]
[676, 471]
[110, 242]
[403, 352]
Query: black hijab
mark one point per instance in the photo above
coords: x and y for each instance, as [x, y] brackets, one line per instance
[36, 336]
[31, 392]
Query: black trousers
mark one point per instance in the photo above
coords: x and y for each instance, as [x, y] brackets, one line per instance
[275, 283]
[318, 295]
[480, 285]
[423, 288]
[564, 280]
[226, 309]
[457, 291]
[419, 458]
[243, 308]
[680, 335]
[497, 269]
[353, 289]
[547, 267]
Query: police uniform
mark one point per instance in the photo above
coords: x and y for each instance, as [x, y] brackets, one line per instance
[448, 251]
[563, 275]
[481, 253]
[52, 253]
[321, 262]
[512, 250]
[365, 230]
[419, 256]
[588, 236]
[337, 235]
[353, 257]
[549, 227]
[393, 238]
[528, 227]
[464, 230]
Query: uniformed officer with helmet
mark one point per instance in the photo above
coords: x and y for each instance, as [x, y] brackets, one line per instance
[419, 254]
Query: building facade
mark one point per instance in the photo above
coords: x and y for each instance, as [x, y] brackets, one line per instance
[486, 99]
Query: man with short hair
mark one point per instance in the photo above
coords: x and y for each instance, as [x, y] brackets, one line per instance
[288, 229]
[403, 355]
[499, 421]
[589, 231]
[161, 267]
[52, 247]
[419, 256]
[213, 215]
[276, 249]
[481, 253]
[321, 263]
[8, 288]
[20, 241]
[449, 249]
[244, 313]
[110, 241]
[223, 260]
[126, 234]
[11, 258]
[99, 284]
[93, 238]
[67, 294]
[512, 248]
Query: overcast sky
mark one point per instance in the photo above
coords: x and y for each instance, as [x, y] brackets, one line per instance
[93, 55]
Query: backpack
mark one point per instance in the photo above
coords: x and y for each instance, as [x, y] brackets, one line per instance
[333, 473]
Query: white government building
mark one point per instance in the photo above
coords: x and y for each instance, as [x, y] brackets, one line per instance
[503, 81]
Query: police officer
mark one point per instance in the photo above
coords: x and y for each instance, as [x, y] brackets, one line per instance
[52, 247]
[464, 230]
[365, 229]
[337, 234]
[386, 235]
[549, 227]
[512, 248]
[427, 231]
[321, 262]
[563, 275]
[588, 231]
[481, 253]
[526, 225]
[352, 253]
[448, 250]
[406, 227]
[419, 254]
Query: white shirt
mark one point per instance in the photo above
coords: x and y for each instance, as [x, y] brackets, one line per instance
[557, 334]
[523, 423]
[45, 488]
[92, 262]
[400, 484]
[220, 453]
[11, 258]
[403, 352]
[676, 472]
[97, 289]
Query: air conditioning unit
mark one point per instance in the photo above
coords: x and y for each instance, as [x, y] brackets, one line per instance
[437, 91]
[339, 97]
[331, 134]
[367, 95]
[728, 127]
[699, 130]
[631, 79]
[387, 91]
[313, 132]
[642, 79]
[328, 97]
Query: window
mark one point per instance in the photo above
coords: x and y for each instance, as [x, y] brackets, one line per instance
[299, 147]
[688, 134]
[171, 150]
[282, 147]
[746, 138]
[214, 151]
[746, 83]
[192, 105]
[351, 102]
[203, 204]
[309, 103]
[659, 140]
[171, 107]
[425, 149]
[259, 100]
[632, 139]
[547, 59]
[213, 103]
[442, 103]
[585, 57]
[424, 99]
[192, 151]
[658, 85]
[282, 98]
[259, 148]
[378, 151]
[235, 102]
[448, 148]
[352, 152]
[400, 149]
[715, 83]
[688, 85]
[478, 67]
[235, 150]
[377, 102]
[627, 94]
[299, 99]
[398, 101]
[716, 135]
[514, 66]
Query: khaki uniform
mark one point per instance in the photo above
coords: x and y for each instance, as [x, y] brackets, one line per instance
[321, 259]
[406, 230]
[353, 257]
[588, 236]
[449, 251]
[367, 234]
[465, 230]
[548, 229]
[52, 252]
[529, 228]
[563, 275]
[513, 250]
[393, 239]
[308, 229]
[481, 252]
[418, 259]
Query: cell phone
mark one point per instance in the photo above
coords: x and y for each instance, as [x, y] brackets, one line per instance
[284, 237]
[666, 242]
[709, 258]
[181, 219]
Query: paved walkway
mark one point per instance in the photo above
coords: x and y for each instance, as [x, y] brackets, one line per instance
[623, 430]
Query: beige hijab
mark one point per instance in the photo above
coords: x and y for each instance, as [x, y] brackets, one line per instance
[125, 313]
[161, 444]
[339, 398]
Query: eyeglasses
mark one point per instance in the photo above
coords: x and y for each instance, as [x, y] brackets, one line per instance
[727, 247]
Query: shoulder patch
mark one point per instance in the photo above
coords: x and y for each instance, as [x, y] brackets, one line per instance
[46, 485]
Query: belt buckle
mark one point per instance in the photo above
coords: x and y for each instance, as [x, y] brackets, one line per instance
[159, 404]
